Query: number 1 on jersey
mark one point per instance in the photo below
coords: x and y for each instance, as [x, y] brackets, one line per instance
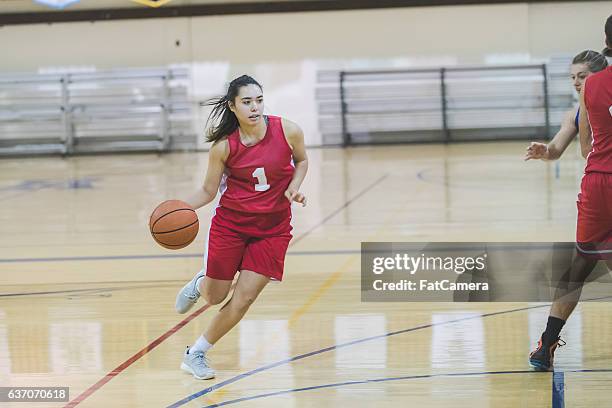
[262, 181]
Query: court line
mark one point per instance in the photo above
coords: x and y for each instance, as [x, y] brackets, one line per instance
[527, 247]
[379, 380]
[164, 256]
[121, 367]
[335, 347]
[339, 209]
[89, 391]
[56, 292]
[350, 343]
[558, 390]
[93, 290]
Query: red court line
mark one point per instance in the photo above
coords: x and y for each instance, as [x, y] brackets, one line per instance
[134, 358]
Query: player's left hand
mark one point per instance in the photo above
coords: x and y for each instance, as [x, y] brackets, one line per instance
[293, 195]
[536, 151]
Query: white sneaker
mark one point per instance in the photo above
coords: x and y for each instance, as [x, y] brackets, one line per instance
[196, 363]
[188, 295]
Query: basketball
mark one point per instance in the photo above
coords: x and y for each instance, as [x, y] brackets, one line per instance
[174, 224]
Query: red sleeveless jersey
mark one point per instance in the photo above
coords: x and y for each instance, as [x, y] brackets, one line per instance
[256, 177]
[598, 101]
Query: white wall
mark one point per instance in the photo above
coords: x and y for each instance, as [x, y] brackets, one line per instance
[284, 51]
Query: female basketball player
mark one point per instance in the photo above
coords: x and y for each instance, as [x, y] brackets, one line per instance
[594, 223]
[583, 65]
[257, 162]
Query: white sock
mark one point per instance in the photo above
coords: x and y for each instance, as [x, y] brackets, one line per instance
[201, 344]
[197, 284]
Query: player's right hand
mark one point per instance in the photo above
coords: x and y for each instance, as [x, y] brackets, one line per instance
[536, 151]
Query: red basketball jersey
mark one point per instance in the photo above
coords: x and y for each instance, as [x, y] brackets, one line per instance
[598, 101]
[256, 177]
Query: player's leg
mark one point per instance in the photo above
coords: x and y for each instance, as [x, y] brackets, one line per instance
[249, 286]
[566, 298]
[570, 287]
[214, 291]
[263, 260]
[590, 229]
[223, 257]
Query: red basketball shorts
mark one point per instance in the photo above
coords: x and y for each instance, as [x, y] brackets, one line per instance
[247, 241]
[594, 227]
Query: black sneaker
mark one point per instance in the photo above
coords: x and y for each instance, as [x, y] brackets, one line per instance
[542, 357]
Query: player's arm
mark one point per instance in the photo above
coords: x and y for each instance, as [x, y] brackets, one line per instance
[563, 138]
[295, 138]
[555, 148]
[586, 139]
[216, 166]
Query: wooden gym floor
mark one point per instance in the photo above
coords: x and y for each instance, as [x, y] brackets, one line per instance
[87, 297]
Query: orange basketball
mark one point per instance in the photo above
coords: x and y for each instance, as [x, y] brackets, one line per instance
[174, 224]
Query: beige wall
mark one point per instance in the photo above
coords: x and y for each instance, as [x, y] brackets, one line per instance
[463, 34]
[101, 44]
[567, 27]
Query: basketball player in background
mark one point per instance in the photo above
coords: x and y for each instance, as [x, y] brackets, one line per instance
[257, 163]
[583, 65]
[594, 224]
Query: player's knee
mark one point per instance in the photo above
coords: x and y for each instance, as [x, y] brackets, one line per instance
[214, 298]
[244, 300]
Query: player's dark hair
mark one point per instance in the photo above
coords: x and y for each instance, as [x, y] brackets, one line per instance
[608, 31]
[594, 61]
[226, 121]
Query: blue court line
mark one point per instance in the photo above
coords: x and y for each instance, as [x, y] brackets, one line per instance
[374, 380]
[165, 256]
[527, 247]
[558, 390]
[350, 343]
[409, 377]
[335, 347]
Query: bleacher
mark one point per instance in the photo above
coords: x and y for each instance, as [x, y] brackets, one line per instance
[443, 104]
[100, 111]
[151, 109]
